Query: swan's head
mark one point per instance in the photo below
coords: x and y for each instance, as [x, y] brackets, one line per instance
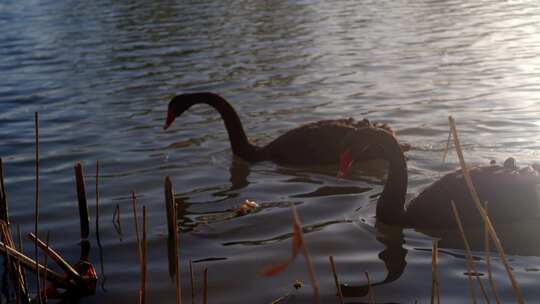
[177, 106]
[362, 145]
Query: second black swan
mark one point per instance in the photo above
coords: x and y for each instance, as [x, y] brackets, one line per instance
[511, 192]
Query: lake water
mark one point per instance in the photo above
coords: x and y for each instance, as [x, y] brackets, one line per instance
[100, 74]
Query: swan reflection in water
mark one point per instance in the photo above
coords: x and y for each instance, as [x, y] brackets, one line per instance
[516, 238]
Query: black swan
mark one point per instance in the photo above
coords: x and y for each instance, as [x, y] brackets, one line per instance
[315, 143]
[511, 192]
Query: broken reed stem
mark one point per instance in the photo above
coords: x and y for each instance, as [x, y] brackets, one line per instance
[135, 218]
[144, 259]
[98, 240]
[336, 279]
[15, 268]
[8, 260]
[205, 288]
[488, 260]
[57, 258]
[311, 270]
[192, 281]
[83, 205]
[97, 203]
[435, 297]
[3, 197]
[45, 263]
[11, 268]
[487, 221]
[36, 209]
[170, 207]
[370, 289]
[447, 148]
[177, 261]
[30, 264]
[173, 237]
[469, 260]
[21, 249]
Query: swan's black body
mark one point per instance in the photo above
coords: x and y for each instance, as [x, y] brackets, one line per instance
[511, 192]
[311, 144]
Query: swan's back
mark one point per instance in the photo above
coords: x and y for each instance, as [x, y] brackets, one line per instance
[315, 143]
[511, 194]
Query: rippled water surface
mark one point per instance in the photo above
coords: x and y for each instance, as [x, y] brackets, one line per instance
[100, 74]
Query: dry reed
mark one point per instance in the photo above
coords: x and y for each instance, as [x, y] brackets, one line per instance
[27, 262]
[83, 205]
[3, 196]
[8, 260]
[36, 208]
[435, 297]
[468, 257]
[177, 262]
[487, 250]
[136, 221]
[192, 281]
[66, 267]
[336, 279]
[311, 269]
[23, 271]
[205, 286]
[15, 268]
[370, 289]
[45, 263]
[97, 203]
[144, 258]
[487, 221]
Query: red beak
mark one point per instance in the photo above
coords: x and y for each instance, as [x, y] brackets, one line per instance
[345, 163]
[169, 121]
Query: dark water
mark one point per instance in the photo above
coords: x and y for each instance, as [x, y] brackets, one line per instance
[100, 73]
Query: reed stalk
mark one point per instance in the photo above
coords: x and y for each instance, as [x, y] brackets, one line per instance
[370, 289]
[170, 207]
[144, 258]
[471, 268]
[16, 271]
[98, 240]
[3, 197]
[435, 297]
[173, 237]
[311, 269]
[205, 286]
[36, 208]
[23, 271]
[487, 250]
[336, 279]
[45, 263]
[447, 147]
[177, 262]
[7, 259]
[57, 258]
[97, 203]
[483, 214]
[83, 205]
[135, 218]
[192, 281]
[30, 264]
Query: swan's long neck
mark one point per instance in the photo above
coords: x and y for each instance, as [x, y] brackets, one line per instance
[239, 142]
[390, 207]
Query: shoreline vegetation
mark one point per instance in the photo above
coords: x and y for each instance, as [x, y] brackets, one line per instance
[80, 279]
